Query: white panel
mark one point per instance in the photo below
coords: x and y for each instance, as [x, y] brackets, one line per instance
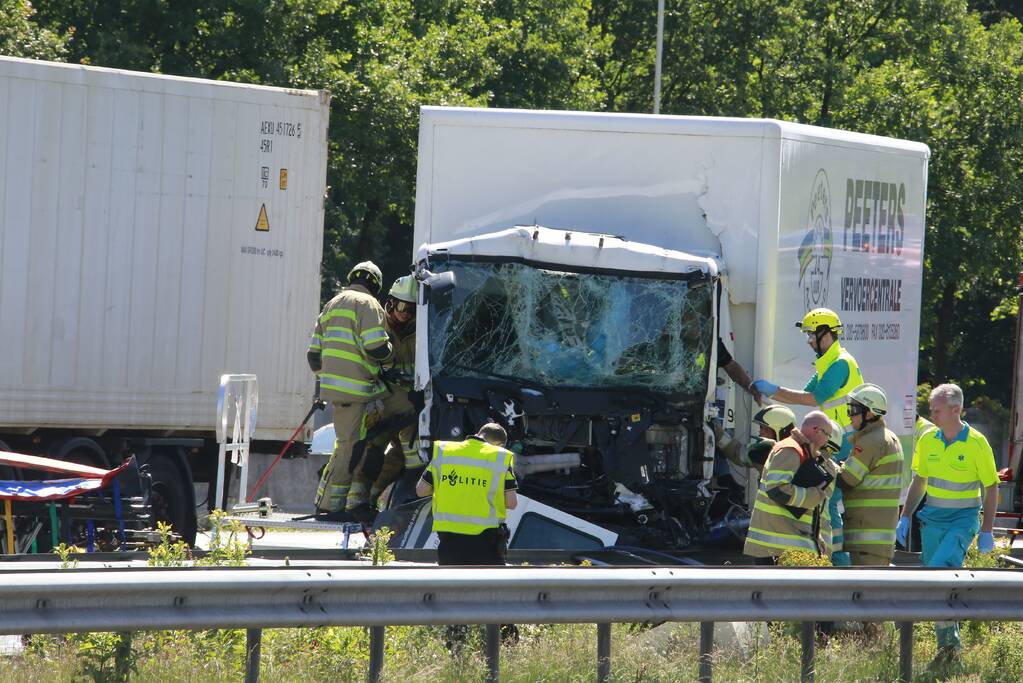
[96, 243]
[70, 200]
[196, 230]
[117, 336]
[45, 188]
[837, 243]
[169, 242]
[18, 133]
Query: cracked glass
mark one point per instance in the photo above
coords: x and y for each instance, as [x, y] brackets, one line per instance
[571, 329]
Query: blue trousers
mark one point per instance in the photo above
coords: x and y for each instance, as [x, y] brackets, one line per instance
[945, 545]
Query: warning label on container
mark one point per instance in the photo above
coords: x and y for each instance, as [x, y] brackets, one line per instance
[284, 179]
[262, 223]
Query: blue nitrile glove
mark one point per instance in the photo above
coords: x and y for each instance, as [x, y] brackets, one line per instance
[985, 541]
[902, 532]
[765, 388]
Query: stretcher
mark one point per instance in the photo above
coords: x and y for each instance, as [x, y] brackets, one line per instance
[48, 502]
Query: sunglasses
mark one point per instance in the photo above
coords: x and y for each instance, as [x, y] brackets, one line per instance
[855, 409]
[405, 307]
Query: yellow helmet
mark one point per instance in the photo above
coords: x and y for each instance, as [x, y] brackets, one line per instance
[776, 418]
[818, 318]
[404, 289]
[871, 396]
[368, 271]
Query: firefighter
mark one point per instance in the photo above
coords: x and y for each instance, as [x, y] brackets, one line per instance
[347, 347]
[871, 480]
[954, 465]
[836, 373]
[401, 450]
[472, 486]
[788, 514]
[775, 423]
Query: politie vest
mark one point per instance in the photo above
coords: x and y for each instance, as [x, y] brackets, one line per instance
[468, 485]
[835, 405]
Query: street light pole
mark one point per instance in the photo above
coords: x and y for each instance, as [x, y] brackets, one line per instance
[657, 62]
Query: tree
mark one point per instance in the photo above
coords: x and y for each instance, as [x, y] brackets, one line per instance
[21, 36]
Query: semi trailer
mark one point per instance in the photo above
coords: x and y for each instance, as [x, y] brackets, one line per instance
[156, 232]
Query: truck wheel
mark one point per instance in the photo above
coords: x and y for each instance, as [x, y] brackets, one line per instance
[170, 499]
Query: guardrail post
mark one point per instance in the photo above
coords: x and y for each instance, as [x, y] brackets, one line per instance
[376, 653]
[253, 645]
[603, 652]
[905, 651]
[806, 667]
[706, 646]
[493, 653]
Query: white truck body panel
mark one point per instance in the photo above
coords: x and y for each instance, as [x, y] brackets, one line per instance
[747, 192]
[134, 269]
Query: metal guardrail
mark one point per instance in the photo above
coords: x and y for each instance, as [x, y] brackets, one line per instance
[254, 598]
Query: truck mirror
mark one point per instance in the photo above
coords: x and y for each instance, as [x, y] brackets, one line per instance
[439, 283]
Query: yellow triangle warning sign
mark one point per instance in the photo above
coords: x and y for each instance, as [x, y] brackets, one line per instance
[262, 223]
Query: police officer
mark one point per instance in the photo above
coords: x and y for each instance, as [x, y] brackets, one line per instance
[836, 373]
[955, 466]
[472, 486]
[787, 515]
[871, 480]
[402, 451]
[775, 423]
[346, 349]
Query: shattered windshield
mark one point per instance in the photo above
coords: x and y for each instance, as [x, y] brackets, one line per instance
[571, 329]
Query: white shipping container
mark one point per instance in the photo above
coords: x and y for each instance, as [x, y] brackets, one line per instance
[155, 232]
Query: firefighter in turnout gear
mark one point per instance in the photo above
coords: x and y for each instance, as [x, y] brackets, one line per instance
[775, 423]
[790, 508]
[473, 487]
[871, 480]
[401, 450]
[347, 347]
[836, 373]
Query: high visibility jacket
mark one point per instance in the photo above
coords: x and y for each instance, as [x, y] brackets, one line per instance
[774, 528]
[871, 485]
[350, 327]
[468, 485]
[956, 472]
[835, 405]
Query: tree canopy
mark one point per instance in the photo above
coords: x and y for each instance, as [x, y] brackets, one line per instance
[945, 72]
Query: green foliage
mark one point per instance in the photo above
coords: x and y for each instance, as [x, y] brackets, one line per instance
[21, 35]
[377, 549]
[67, 554]
[803, 558]
[229, 544]
[169, 552]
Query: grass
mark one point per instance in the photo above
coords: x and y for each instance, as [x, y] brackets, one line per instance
[544, 653]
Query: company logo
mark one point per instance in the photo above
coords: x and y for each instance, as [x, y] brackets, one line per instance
[455, 479]
[815, 251]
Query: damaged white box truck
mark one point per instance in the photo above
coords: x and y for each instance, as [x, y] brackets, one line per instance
[579, 269]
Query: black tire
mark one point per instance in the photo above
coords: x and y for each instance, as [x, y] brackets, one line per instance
[172, 500]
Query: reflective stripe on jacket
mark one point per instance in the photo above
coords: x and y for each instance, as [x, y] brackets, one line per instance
[956, 472]
[774, 528]
[350, 325]
[468, 485]
[872, 484]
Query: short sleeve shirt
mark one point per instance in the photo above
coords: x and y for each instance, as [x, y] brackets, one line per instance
[968, 452]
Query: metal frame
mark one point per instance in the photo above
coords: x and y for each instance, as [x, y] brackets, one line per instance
[254, 598]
